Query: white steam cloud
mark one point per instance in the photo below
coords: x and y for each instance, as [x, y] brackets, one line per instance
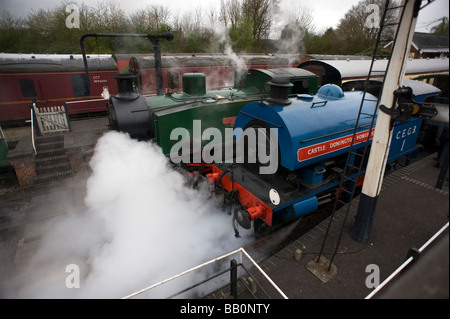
[223, 43]
[141, 224]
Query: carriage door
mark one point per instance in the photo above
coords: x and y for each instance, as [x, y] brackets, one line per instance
[30, 91]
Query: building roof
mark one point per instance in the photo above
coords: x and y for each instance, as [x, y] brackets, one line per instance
[430, 42]
[351, 69]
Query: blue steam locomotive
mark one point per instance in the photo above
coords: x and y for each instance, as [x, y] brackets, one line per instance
[308, 138]
[293, 146]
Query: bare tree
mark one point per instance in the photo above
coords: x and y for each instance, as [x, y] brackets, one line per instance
[186, 24]
[259, 13]
[150, 18]
[8, 21]
[108, 17]
[302, 18]
[299, 24]
[441, 28]
[40, 22]
[359, 27]
[157, 15]
[213, 17]
[249, 21]
[230, 13]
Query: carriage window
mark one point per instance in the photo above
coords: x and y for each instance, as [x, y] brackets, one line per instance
[300, 87]
[79, 85]
[27, 87]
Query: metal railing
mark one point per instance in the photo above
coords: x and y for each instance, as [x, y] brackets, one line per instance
[406, 263]
[32, 128]
[233, 276]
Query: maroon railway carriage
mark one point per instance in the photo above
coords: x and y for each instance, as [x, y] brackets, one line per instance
[219, 69]
[52, 80]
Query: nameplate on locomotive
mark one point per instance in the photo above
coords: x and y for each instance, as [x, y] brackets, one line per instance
[308, 152]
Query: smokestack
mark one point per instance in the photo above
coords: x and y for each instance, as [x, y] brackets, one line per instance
[125, 85]
[240, 77]
[279, 91]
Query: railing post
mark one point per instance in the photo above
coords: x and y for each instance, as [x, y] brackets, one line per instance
[32, 126]
[67, 119]
[233, 278]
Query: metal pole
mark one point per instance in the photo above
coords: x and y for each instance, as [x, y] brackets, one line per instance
[154, 38]
[233, 278]
[383, 129]
[158, 67]
[264, 274]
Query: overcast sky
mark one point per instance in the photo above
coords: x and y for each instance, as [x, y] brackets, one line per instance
[327, 13]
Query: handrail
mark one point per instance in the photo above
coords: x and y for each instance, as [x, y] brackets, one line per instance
[181, 274]
[407, 261]
[265, 275]
[32, 126]
[240, 250]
